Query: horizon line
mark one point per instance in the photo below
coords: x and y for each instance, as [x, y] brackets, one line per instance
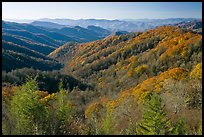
[103, 18]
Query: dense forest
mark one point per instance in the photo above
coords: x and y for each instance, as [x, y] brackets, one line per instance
[139, 83]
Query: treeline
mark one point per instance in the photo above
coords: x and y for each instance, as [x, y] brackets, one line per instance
[47, 80]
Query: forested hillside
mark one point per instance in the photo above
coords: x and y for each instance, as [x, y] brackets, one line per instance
[16, 56]
[140, 83]
[117, 61]
[65, 53]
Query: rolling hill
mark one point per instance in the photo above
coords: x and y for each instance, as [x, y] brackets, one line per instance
[116, 61]
[15, 56]
[28, 43]
[51, 34]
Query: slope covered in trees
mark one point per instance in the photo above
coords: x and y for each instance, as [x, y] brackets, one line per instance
[141, 79]
[18, 48]
[65, 52]
[169, 103]
[175, 109]
[28, 43]
[16, 56]
[116, 61]
[144, 83]
[20, 60]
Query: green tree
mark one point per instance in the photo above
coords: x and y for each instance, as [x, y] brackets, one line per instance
[106, 125]
[154, 120]
[27, 113]
[61, 113]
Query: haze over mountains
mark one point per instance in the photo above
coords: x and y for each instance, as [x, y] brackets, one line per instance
[113, 25]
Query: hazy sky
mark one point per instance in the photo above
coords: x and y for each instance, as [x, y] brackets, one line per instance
[101, 10]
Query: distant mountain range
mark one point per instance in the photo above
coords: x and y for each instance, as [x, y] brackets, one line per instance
[59, 33]
[119, 25]
[195, 25]
[130, 25]
[26, 45]
[46, 39]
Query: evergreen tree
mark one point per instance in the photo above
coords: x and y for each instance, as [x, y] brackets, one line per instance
[106, 125]
[154, 120]
[26, 112]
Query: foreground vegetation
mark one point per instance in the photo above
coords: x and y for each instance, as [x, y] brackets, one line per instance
[174, 110]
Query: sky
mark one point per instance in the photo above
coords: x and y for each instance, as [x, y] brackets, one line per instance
[101, 10]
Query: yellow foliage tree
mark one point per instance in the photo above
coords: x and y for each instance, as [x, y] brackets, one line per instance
[141, 69]
[197, 72]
